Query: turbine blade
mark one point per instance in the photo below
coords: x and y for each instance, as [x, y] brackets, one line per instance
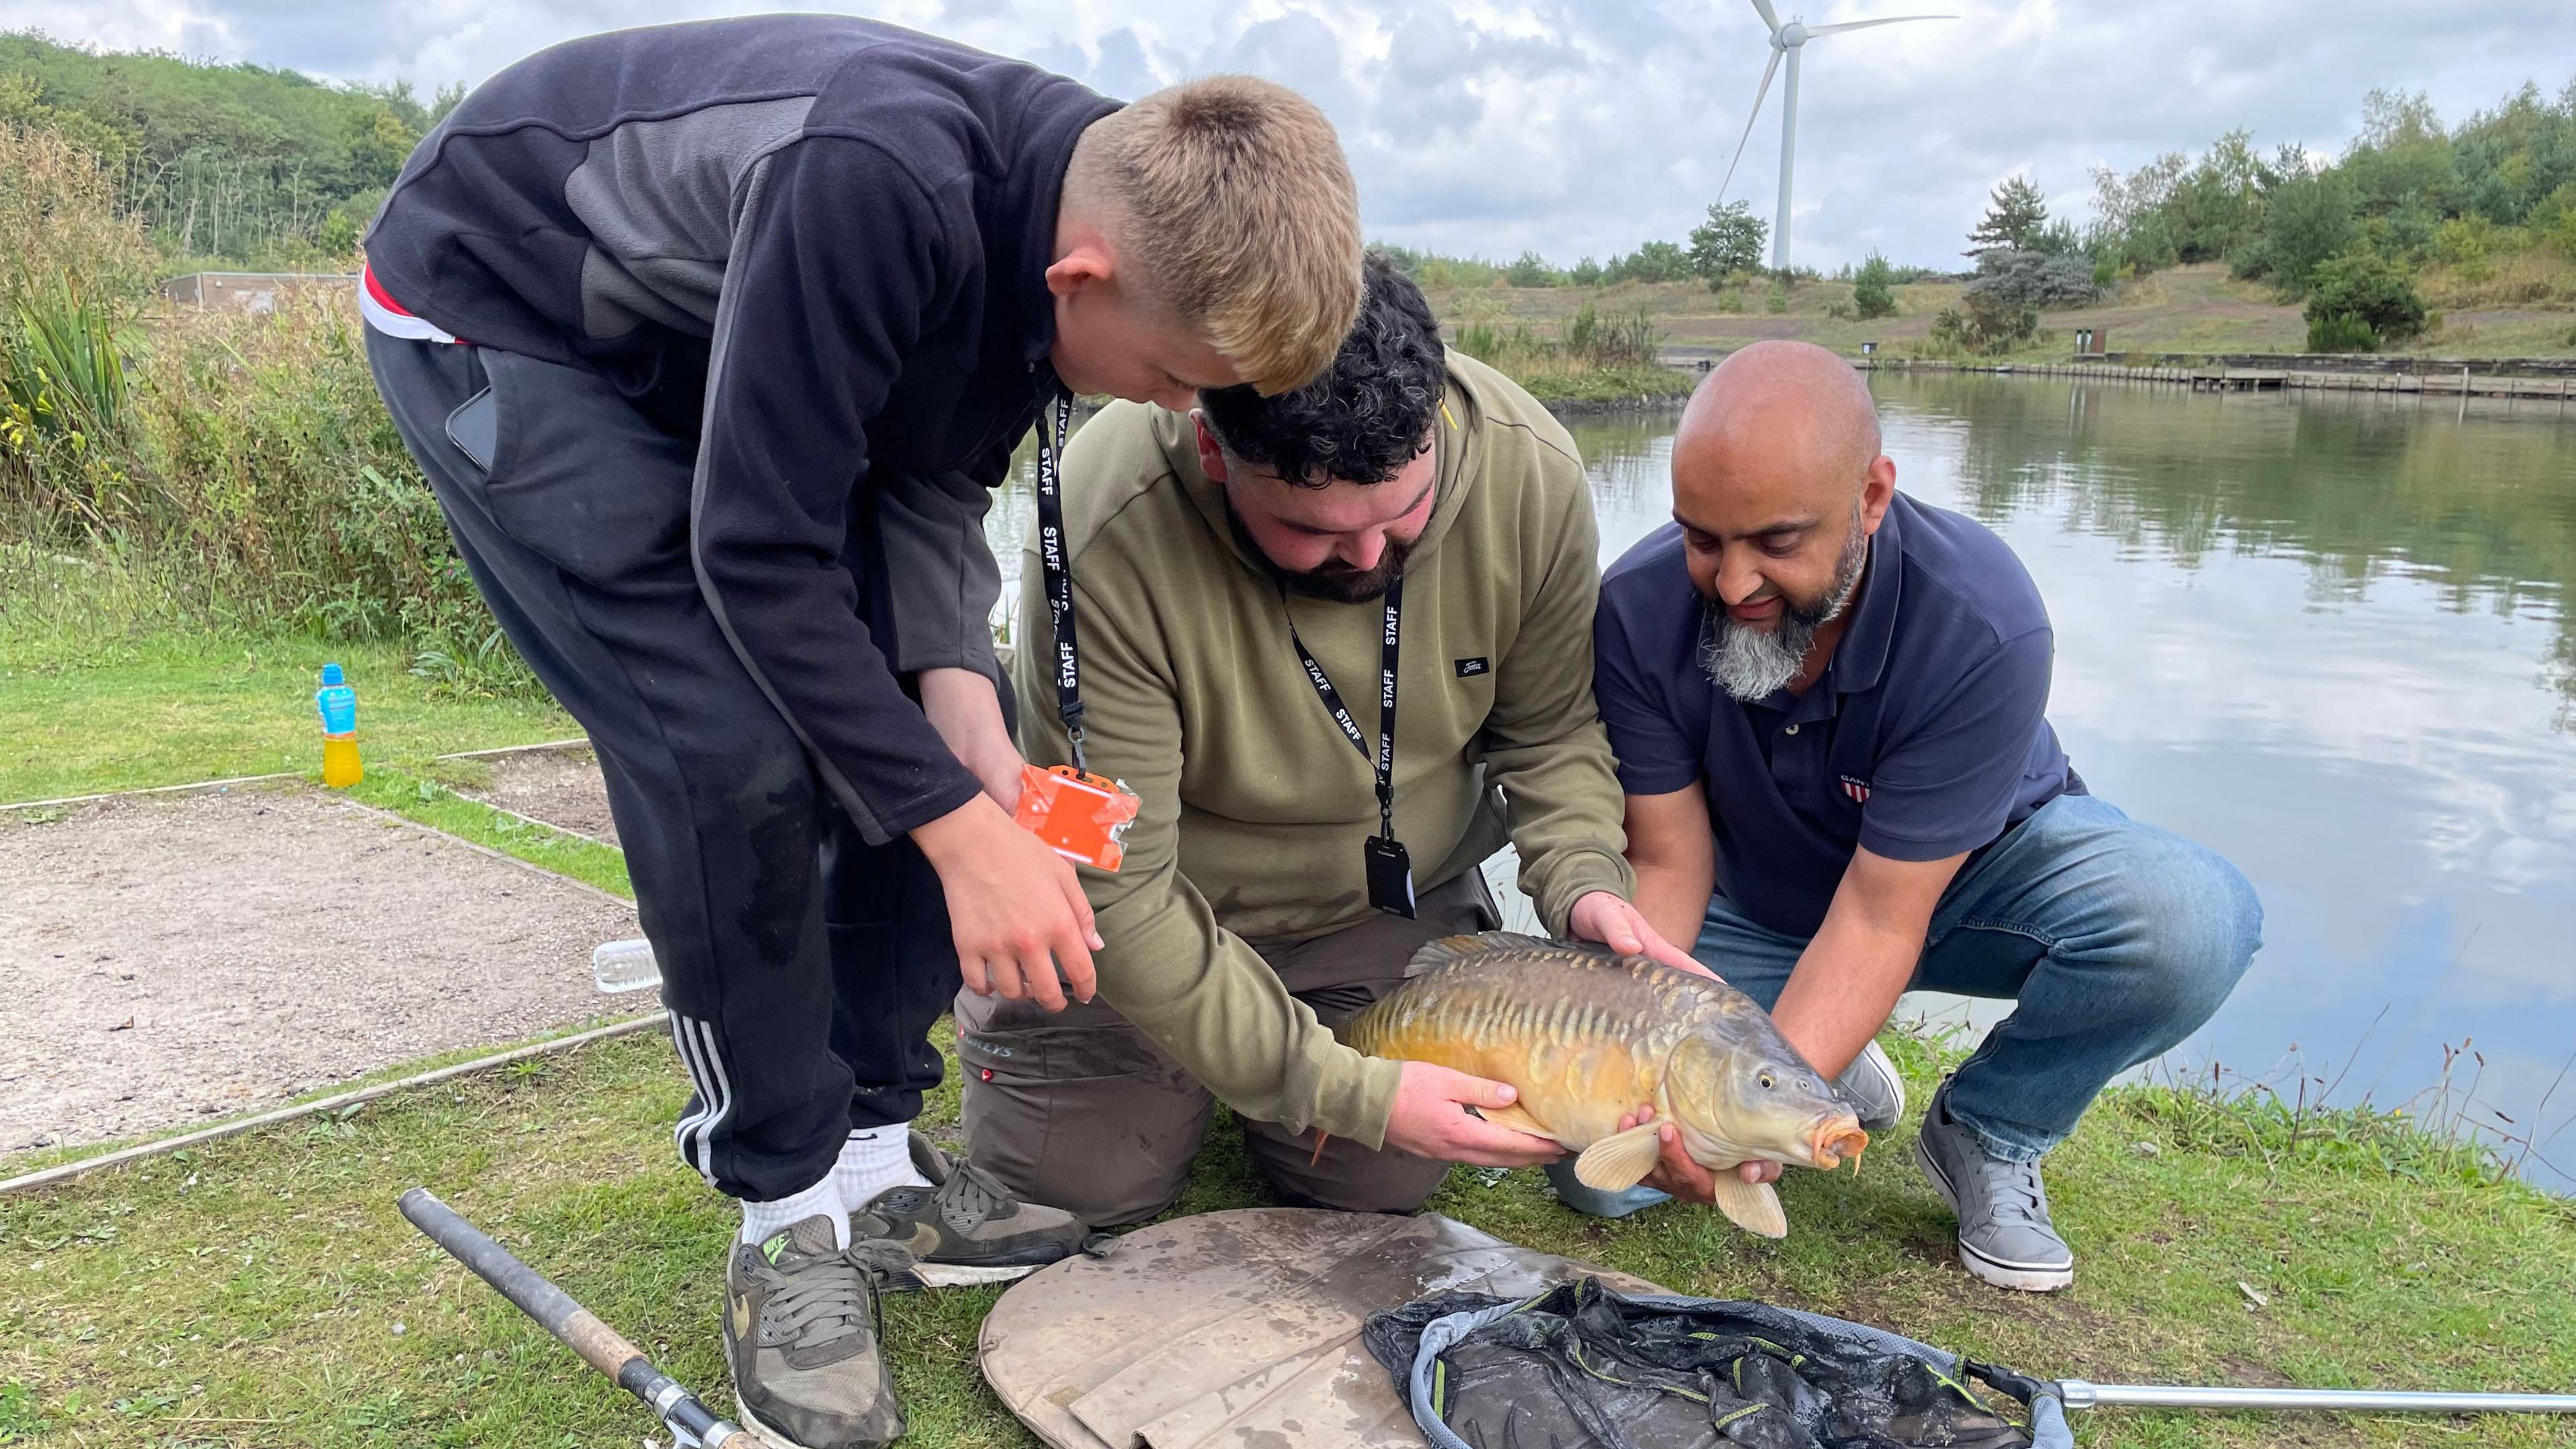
[1769, 16]
[1749, 117]
[1814, 30]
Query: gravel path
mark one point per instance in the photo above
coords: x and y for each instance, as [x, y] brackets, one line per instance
[166, 960]
[559, 787]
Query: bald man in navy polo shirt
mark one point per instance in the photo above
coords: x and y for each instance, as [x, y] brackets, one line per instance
[1829, 704]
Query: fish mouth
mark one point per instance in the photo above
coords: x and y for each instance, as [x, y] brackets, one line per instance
[1837, 1140]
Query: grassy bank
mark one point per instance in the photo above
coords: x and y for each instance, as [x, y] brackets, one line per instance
[2184, 309]
[120, 708]
[263, 1291]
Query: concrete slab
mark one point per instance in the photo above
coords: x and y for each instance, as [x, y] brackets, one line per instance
[166, 959]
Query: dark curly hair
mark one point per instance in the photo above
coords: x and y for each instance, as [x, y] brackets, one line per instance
[1366, 417]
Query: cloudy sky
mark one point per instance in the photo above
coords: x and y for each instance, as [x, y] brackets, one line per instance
[1586, 126]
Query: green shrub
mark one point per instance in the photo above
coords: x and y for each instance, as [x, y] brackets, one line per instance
[2035, 279]
[2341, 332]
[2362, 284]
[1729, 242]
[1872, 296]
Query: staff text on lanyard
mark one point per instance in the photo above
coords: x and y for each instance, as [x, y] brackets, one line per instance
[1389, 869]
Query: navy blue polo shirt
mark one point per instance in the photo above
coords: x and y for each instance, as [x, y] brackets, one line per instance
[1927, 736]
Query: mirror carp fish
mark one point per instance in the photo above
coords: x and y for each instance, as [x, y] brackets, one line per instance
[1586, 1037]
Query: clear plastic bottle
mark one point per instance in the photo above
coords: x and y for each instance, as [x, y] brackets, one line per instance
[338, 704]
[625, 966]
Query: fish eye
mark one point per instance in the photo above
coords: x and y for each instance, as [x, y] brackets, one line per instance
[1767, 1081]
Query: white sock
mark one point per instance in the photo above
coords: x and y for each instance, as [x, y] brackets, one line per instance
[874, 1160]
[823, 1199]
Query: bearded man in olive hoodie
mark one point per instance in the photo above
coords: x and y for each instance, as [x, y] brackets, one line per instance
[1212, 553]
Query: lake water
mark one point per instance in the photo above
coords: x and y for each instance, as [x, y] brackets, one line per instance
[2331, 636]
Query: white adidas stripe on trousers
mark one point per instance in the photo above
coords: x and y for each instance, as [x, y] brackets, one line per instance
[695, 1134]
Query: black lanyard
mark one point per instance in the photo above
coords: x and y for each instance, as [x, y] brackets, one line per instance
[1388, 869]
[1387, 652]
[1055, 418]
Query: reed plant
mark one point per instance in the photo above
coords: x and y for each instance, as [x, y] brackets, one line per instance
[1597, 356]
[228, 470]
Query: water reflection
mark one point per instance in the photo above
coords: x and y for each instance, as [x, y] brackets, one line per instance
[2330, 635]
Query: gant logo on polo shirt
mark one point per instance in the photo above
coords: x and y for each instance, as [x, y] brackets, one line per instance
[1857, 789]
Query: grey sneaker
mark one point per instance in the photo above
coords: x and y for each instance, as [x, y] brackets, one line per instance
[965, 1227]
[2005, 1237]
[1874, 1090]
[801, 1337]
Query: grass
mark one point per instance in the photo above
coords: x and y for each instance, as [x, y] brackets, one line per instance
[1558, 382]
[264, 1291]
[93, 707]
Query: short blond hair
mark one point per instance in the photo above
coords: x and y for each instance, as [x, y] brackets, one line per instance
[1231, 195]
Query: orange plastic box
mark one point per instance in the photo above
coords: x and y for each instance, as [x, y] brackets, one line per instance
[1082, 817]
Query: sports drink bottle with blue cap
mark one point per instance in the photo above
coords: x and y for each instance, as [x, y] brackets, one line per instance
[338, 704]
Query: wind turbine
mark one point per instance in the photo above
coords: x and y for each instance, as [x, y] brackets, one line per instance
[1788, 40]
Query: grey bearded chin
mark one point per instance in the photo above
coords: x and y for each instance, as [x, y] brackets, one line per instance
[1751, 664]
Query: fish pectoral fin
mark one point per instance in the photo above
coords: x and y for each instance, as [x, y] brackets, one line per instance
[1516, 1119]
[1752, 1206]
[1620, 1160]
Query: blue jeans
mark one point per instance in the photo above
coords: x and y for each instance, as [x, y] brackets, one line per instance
[2116, 939]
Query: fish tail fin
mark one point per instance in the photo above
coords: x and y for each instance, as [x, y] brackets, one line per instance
[1450, 949]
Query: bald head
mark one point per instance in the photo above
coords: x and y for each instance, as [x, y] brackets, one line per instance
[1778, 483]
[1782, 405]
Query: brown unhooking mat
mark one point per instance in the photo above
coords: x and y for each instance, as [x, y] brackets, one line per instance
[1239, 1329]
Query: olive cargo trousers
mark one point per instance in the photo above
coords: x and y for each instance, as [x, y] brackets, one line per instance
[1081, 1110]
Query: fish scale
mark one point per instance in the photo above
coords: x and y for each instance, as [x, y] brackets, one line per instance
[1585, 1037]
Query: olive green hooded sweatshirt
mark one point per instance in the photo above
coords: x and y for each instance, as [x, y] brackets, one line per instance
[1255, 804]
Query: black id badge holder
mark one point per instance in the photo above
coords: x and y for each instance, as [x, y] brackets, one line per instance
[1390, 876]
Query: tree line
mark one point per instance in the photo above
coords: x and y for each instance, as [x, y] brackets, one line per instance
[2349, 236]
[238, 165]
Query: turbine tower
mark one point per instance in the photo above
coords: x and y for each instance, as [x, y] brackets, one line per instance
[1788, 40]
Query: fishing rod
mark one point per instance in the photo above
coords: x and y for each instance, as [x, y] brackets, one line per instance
[690, 1421]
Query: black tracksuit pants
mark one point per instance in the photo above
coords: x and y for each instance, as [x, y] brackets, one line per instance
[802, 967]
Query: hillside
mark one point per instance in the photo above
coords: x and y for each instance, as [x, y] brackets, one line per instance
[231, 164]
[2192, 308]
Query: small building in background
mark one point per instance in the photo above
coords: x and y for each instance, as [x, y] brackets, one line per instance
[2092, 341]
[246, 291]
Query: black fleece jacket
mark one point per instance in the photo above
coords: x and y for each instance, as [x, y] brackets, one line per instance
[818, 245]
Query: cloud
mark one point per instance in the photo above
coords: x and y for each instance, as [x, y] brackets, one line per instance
[1584, 128]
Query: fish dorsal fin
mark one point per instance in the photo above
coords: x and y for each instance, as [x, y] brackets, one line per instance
[1449, 949]
[1752, 1206]
[1619, 1160]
